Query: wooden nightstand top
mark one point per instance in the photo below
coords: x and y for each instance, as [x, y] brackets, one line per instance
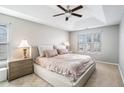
[13, 60]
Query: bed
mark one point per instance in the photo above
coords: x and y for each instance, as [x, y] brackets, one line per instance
[65, 70]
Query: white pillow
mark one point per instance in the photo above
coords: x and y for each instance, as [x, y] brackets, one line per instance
[43, 48]
[60, 46]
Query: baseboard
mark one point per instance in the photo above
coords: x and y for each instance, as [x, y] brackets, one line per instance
[121, 73]
[106, 62]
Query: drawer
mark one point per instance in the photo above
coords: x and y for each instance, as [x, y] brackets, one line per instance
[20, 68]
[20, 63]
[20, 73]
[15, 75]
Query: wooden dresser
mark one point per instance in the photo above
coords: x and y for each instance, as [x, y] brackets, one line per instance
[20, 68]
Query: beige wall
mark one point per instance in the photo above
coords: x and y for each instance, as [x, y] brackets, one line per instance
[110, 43]
[36, 34]
[121, 47]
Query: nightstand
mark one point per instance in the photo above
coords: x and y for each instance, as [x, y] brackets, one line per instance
[19, 68]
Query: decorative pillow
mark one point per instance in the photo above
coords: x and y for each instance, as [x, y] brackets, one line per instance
[62, 51]
[51, 53]
[43, 48]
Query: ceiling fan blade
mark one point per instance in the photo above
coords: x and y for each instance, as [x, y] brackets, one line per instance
[77, 8]
[62, 8]
[58, 14]
[78, 15]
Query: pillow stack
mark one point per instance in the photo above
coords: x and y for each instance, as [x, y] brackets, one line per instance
[50, 51]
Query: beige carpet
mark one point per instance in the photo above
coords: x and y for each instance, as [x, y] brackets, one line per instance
[105, 76]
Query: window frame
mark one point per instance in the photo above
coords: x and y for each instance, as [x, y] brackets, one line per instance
[7, 43]
[92, 43]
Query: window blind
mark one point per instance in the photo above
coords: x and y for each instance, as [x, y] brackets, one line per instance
[3, 42]
[90, 42]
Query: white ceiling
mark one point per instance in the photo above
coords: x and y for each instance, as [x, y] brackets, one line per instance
[93, 15]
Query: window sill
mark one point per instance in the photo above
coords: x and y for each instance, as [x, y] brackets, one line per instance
[3, 64]
[82, 52]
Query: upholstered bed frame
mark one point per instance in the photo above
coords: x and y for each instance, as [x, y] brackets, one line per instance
[58, 80]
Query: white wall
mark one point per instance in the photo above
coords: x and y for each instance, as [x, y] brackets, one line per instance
[36, 34]
[121, 46]
[109, 49]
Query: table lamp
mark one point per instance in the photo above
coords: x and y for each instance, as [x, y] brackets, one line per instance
[24, 44]
[67, 44]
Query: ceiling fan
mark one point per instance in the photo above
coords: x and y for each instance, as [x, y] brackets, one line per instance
[68, 12]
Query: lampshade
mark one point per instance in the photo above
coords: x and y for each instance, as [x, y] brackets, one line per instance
[24, 44]
[66, 43]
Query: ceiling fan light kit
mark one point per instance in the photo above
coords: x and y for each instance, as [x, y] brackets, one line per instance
[69, 12]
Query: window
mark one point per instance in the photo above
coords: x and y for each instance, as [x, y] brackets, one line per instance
[89, 42]
[3, 42]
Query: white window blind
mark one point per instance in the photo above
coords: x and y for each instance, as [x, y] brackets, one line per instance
[3, 42]
[89, 42]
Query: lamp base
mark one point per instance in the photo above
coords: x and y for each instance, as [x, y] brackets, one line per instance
[25, 53]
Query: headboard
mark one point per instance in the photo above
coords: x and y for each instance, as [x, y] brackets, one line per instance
[35, 50]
